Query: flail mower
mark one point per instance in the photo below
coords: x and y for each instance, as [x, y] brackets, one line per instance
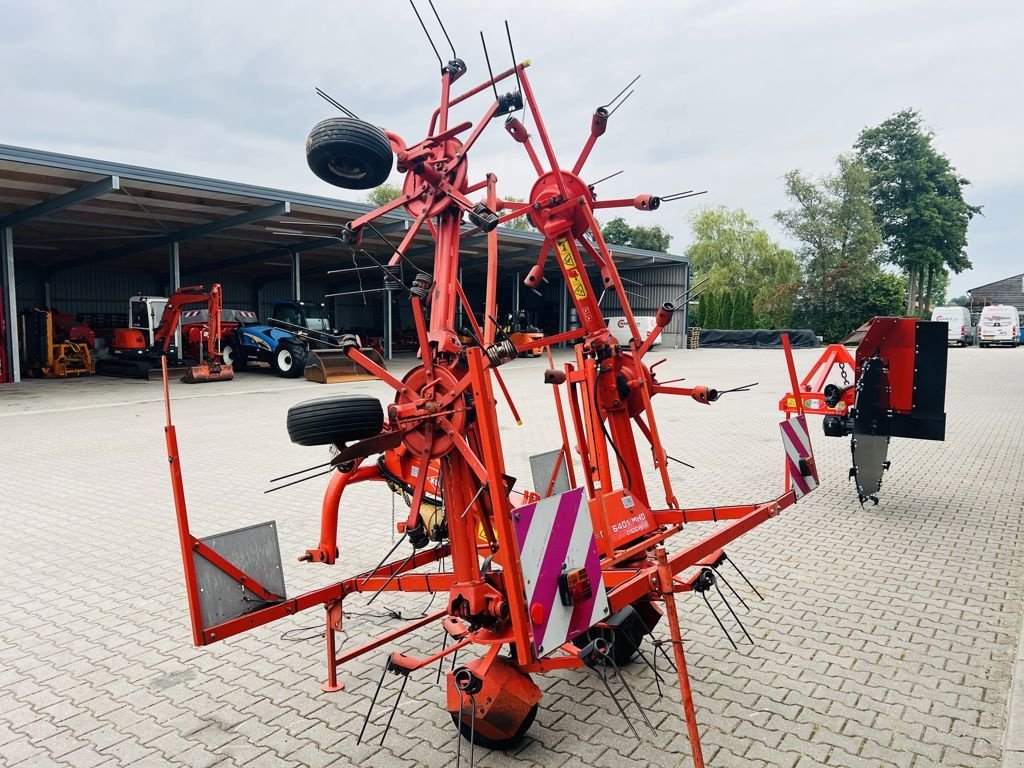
[573, 574]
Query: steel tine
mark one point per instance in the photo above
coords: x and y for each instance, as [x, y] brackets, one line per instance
[458, 731]
[727, 605]
[636, 648]
[607, 687]
[713, 613]
[731, 589]
[660, 646]
[472, 731]
[391, 578]
[384, 559]
[398, 698]
[444, 644]
[629, 690]
[373, 701]
[744, 577]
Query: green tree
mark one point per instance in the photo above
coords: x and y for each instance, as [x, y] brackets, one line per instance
[653, 238]
[918, 201]
[383, 194]
[833, 219]
[727, 308]
[735, 254]
[522, 224]
[961, 301]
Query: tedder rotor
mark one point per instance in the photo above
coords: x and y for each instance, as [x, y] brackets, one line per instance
[571, 574]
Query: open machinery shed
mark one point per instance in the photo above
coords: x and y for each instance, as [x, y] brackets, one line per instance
[82, 236]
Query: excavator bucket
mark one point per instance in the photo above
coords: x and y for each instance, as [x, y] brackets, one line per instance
[204, 372]
[333, 366]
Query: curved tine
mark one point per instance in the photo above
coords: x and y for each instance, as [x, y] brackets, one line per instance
[458, 731]
[441, 24]
[444, 644]
[398, 698]
[611, 694]
[472, 730]
[391, 578]
[629, 690]
[737, 618]
[731, 589]
[429, 38]
[660, 647]
[373, 701]
[605, 106]
[713, 613]
[384, 559]
[744, 577]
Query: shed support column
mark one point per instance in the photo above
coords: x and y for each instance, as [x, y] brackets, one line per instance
[389, 301]
[296, 281]
[173, 285]
[10, 302]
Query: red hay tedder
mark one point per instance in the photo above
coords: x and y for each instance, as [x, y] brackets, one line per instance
[572, 574]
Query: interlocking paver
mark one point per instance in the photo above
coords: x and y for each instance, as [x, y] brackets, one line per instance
[887, 636]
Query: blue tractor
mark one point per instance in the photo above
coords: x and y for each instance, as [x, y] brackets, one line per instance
[251, 341]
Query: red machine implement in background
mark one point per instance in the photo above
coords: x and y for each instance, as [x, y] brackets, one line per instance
[573, 574]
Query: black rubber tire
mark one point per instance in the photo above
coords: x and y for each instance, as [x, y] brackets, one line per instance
[289, 360]
[232, 353]
[349, 153]
[623, 642]
[337, 419]
[486, 743]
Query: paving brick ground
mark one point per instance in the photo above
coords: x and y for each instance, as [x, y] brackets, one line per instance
[887, 636]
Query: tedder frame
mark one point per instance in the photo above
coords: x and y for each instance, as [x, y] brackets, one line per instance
[538, 581]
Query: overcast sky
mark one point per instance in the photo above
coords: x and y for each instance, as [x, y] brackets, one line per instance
[733, 94]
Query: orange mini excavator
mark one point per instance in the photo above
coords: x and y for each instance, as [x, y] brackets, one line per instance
[136, 359]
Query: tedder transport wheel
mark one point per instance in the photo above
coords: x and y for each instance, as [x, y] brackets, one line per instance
[349, 153]
[469, 734]
[337, 419]
[624, 640]
[289, 361]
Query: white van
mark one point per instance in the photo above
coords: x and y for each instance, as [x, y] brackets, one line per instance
[999, 324]
[619, 327]
[961, 329]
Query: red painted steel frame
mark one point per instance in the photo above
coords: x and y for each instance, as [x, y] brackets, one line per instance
[608, 390]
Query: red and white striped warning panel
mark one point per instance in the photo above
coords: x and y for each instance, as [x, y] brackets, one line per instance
[799, 456]
[556, 543]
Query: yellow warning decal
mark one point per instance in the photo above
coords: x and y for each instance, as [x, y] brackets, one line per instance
[576, 283]
[565, 251]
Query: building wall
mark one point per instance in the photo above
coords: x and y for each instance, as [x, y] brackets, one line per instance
[648, 289]
[1009, 291]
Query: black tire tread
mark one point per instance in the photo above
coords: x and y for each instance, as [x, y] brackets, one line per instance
[335, 419]
[369, 140]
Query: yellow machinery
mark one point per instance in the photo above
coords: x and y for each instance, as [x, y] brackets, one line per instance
[47, 358]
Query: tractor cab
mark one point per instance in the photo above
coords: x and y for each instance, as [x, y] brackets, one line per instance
[305, 314]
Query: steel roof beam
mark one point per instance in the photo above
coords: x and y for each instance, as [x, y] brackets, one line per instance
[279, 250]
[257, 214]
[82, 194]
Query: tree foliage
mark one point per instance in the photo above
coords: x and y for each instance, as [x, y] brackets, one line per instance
[383, 194]
[653, 238]
[751, 280]
[521, 224]
[840, 245]
[918, 202]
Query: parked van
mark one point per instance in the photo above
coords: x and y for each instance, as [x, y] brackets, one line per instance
[999, 324]
[961, 329]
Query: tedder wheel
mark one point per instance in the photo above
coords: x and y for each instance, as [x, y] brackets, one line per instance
[623, 641]
[289, 361]
[488, 743]
[337, 419]
[349, 153]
